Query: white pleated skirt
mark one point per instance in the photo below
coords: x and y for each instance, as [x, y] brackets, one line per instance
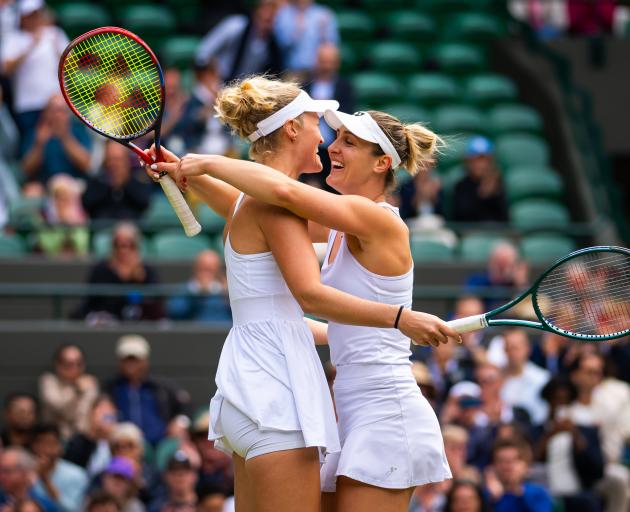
[390, 435]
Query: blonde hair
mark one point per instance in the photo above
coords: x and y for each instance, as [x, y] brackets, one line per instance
[416, 145]
[244, 103]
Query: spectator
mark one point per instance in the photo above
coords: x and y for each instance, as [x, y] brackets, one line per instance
[205, 298]
[523, 379]
[89, 448]
[176, 100]
[424, 380]
[180, 478]
[421, 195]
[17, 473]
[141, 399]
[428, 498]
[27, 505]
[491, 382]
[177, 438]
[31, 57]
[465, 496]
[472, 352]
[9, 191]
[456, 447]
[301, 27]
[20, 416]
[67, 394]
[60, 481]
[548, 18]
[101, 501]
[118, 481]
[59, 144]
[445, 369]
[591, 18]
[243, 45]
[479, 196]
[126, 267]
[505, 482]
[212, 498]
[116, 193]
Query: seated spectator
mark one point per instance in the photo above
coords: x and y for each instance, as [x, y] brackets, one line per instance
[180, 477]
[30, 56]
[505, 482]
[89, 448]
[423, 379]
[456, 448]
[27, 505]
[421, 195]
[554, 353]
[428, 498]
[59, 144]
[64, 232]
[66, 395]
[479, 196]
[9, 191]
[445, 369]
[205, 298]
[142, 400]
[465, 496]
[118, 481]
[177, 438]
[17, 474]
[548, 18]
[101, 501]
[116, 193]
[491, 381]
[176, 100]
[60, 481]
[20, 416]
[124, 266]
[301, 27]
[243, 44]
[212, 498]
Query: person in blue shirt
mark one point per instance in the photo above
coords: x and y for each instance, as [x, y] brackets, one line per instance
[505, 483]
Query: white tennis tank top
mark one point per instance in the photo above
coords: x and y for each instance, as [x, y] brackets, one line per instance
[352, 344]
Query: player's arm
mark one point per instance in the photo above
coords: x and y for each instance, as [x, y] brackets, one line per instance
[319, 330]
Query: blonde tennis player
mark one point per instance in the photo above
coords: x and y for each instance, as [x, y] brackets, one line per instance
[271, 410]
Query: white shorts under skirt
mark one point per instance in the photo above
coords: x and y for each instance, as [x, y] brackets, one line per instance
[390, 435]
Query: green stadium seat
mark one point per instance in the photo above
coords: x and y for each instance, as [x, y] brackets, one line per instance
[410, 25]
[394, 57]
[179, 51]
[533, 182]
[25, 213]
[490, 89]
[520, 149]
[150, 22]
[11, 247]
[430, 250]
[177, 246]
[355, 26]
[472, 26]
[432, 88]
[478, 246]
[453, 152]
[210, 221]
[545, 248]
[380, 6]
[450, 6]
[458, 59]
[408, 112]
[349, 58]
[458, 119]
[78, 18]
[514, 118]
[187, 12]
[376, 88]
[160, 215]
[539, 215]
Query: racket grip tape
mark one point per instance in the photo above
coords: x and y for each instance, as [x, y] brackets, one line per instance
[469, 323]
[179, 204]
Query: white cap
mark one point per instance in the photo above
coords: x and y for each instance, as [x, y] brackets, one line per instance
[465, 388]
[30, 6]
[302, 103]
[132, 345]
[363, 126]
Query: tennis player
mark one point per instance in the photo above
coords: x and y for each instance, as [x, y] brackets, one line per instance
[271, 409]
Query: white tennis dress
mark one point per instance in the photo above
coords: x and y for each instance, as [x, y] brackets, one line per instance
[269, 368]
[390, 436]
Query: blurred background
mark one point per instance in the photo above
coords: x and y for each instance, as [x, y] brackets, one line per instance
[101, 292]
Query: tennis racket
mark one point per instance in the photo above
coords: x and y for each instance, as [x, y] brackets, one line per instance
[584, 296]
[113, 82]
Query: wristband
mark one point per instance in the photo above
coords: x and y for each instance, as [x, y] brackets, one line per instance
[400, 310]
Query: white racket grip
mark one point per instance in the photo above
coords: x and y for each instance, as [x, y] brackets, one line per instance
[469, 323]
[179, 204]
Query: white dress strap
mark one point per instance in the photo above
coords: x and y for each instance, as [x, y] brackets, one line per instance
[239, 200]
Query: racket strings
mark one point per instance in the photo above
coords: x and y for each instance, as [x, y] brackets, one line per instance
[588, 295]
[114, 84]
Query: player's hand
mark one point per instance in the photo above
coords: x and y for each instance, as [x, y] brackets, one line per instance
[189, 166]
[167, 157]
[425, 329]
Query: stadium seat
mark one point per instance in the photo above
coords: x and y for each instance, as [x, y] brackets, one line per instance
[11, 246]
[545, 248]
[478, 246]
[514, 118]
[379, 8]
[490, 89]
[78, 18]
[519, 149]
[430, 250]
[349, 58]
[179, 51]
[457, 58]
[431, 88]
[177, 246]
[160, 215]
[394, 57]
[151, 22]
[539, 215]
[187, 12]
[452, 119]
[25, 213]
[376, 88]
[410, 25]
[449, 6]
[528, 182]
[355, 26]
[453, 151]
[408, 112]
[472, 26]
[210, 221]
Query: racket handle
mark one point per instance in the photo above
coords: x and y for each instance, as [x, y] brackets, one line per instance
[469, 323]
[179, 204]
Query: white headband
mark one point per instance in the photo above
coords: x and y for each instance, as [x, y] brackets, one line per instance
[302, 103]
[363, 126]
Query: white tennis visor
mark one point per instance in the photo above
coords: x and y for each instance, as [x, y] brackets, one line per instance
[302, 103]
[363, 126]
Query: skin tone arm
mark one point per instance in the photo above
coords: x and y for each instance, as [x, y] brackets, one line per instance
[319, 330]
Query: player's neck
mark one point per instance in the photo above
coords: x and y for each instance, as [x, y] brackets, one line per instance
[283, 164]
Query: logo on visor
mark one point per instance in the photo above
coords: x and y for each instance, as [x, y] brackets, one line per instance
[359, 113]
